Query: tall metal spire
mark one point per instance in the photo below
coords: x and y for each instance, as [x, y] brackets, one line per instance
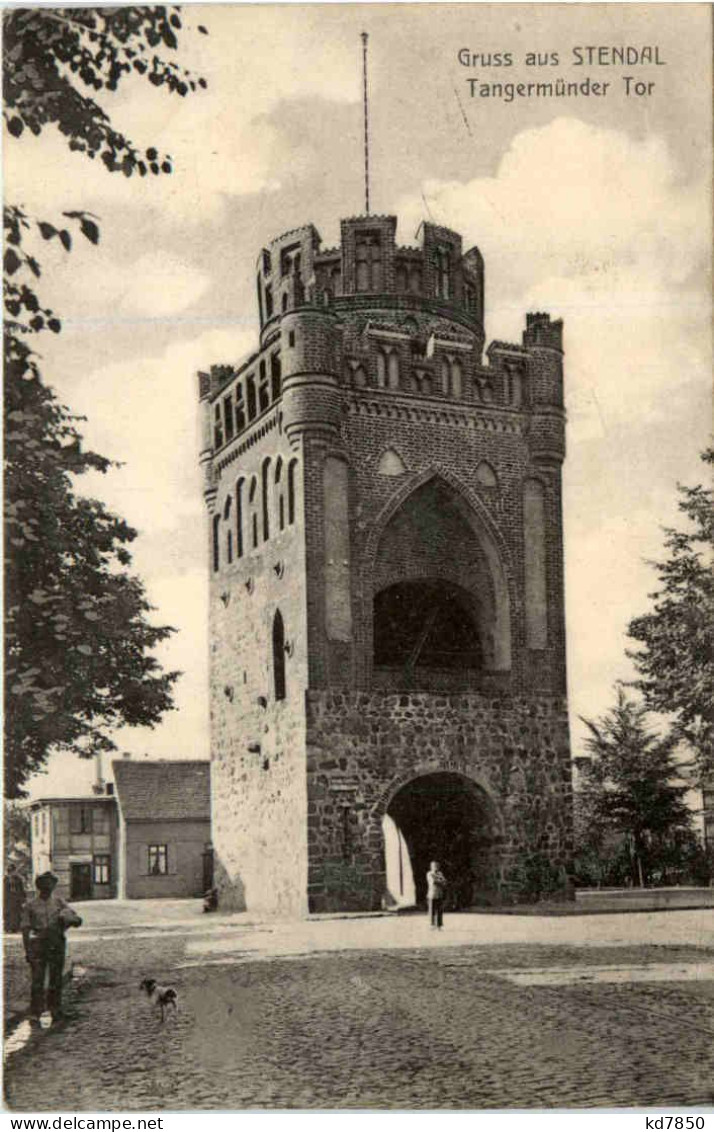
[366, 122]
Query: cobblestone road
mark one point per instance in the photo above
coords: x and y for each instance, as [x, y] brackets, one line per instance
[427, 1027]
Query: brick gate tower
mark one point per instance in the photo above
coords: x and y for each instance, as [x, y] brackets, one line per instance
[387, 638]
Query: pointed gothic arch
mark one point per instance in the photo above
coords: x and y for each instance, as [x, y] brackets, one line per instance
[495, 585]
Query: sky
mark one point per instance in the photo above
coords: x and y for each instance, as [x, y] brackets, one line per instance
[596, 209]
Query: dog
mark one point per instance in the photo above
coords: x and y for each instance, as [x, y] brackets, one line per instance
[164, 997]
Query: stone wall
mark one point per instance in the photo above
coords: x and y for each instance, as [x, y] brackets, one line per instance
[362, 747]
[259, 818]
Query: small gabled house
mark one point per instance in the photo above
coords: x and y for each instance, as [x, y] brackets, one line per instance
[77, 839]
[164, 828]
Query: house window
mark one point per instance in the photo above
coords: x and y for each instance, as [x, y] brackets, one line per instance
[44, 822]
[158, 860]
[101, 869]
[81, 819]
[279, 655]
[269, 302]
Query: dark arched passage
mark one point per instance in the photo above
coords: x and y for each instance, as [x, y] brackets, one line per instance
[446, 817]
[428, 624]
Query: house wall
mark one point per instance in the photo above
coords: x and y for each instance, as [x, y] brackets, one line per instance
[41, 840]
[55, 846]
[185, 841]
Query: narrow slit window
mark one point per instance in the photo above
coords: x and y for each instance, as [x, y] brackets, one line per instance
[239, 518]
[217, 428]
[240, 408]
[279, 493]
[266, 499]
[381, 370]
[393, 370]
[279, 656]
[216, 543]
[275, 375]
[291, 491]
[251, 399]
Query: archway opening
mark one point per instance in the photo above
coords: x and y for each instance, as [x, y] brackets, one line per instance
[422, 625]
[442, 817]
[437, 564]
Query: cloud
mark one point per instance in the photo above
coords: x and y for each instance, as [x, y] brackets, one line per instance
[154, 286]
[597, 227]
[221, 140]
[144, 412]
[601, 228]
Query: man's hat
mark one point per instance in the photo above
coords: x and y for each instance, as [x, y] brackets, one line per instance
[47, 879]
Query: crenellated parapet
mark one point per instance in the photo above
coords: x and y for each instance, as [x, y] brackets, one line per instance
[294, 271]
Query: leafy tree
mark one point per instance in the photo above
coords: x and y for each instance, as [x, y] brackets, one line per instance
[16, 839]
[53, 56]
[676, 660]
[78, 642]
[630, 795]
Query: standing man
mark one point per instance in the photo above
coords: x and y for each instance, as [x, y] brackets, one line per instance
[44, 922]
[436, 891]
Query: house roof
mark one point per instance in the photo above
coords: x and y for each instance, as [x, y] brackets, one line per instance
[63, 799]
[163, 791]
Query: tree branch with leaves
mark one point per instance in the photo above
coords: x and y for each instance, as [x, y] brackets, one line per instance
[631, 788]
[79, 644]
[675, 660]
